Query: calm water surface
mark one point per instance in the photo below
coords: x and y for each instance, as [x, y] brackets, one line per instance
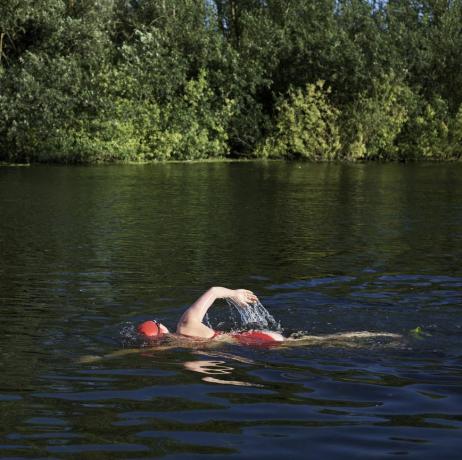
[86, 252]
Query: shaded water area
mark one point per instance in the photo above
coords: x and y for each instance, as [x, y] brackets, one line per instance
[86, 252]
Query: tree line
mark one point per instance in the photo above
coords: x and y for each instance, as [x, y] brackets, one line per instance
[141, 80]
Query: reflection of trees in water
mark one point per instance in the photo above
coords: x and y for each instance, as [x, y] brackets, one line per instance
[329, 217]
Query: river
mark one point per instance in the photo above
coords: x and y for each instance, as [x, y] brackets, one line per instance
[88, 252]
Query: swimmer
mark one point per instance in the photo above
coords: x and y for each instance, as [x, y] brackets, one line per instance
[191, 326]
[192, 333]
[191, 323]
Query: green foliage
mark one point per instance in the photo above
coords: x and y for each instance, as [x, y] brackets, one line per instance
[372, 124]
[39, 106]
[86, 81]
[432, 133]
[190, 127]
[305, 126]
[419, 333]
[455, 136]
[432, 130]
[426, 133]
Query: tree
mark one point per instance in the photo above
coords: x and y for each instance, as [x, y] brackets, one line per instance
[306, 126]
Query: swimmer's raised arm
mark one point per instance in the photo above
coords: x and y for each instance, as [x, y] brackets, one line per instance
[190, 322]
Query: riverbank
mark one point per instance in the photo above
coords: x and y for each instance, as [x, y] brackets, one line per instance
[221, 160]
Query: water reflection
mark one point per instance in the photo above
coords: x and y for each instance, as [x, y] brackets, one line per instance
[211, 368]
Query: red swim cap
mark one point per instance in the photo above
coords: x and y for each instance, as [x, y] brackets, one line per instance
[149, 329]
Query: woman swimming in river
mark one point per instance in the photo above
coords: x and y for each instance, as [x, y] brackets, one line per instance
[192, 333]
[191, 326]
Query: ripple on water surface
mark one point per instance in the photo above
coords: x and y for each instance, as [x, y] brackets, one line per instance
[86, 253]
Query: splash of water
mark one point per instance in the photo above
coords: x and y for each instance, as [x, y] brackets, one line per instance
[128, 334]
[255, 316]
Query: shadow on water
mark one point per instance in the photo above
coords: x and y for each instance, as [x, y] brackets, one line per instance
[328, 248]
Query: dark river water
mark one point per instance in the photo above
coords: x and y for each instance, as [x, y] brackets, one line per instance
[87, 252]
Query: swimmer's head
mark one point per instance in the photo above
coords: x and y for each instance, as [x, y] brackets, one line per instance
[152, 329]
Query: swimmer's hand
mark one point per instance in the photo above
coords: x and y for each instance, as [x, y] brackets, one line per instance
[243, 297]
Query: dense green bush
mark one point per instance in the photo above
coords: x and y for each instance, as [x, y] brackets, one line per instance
[86, 81]
[372, 124]
[455, 136]
[305, 126]
[192, 126]
[431, 133]
[426, 133]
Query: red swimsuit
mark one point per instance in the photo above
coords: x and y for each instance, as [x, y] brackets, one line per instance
[255, 338]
